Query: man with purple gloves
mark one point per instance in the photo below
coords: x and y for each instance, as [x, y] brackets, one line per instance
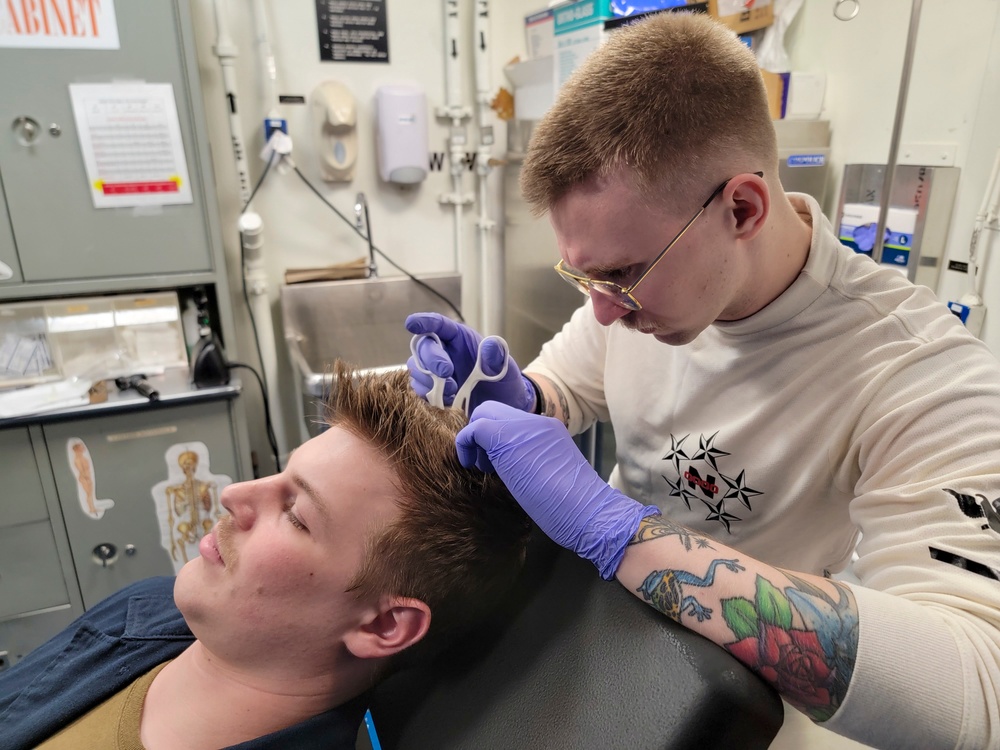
[784, 409]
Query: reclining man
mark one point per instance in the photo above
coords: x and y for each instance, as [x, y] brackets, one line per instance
[373, 539]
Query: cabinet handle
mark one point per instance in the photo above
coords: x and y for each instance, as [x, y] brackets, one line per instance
[27, 130]
[105, 554]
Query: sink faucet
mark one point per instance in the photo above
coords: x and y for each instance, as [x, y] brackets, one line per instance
[361, 205]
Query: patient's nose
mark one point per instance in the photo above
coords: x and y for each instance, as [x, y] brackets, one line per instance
[242, 500]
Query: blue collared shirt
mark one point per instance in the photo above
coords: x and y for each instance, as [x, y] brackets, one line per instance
[107, 648]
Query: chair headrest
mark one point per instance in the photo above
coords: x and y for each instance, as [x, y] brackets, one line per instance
[571, 661]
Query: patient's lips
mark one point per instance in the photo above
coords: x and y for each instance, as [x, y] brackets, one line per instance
[209, 547]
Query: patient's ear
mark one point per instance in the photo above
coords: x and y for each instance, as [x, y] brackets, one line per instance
[397, 623]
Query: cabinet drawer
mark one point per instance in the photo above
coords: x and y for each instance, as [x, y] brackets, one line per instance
[21, 495]
[30, 574]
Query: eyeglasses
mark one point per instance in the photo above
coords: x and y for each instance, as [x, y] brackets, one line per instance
[616, 292]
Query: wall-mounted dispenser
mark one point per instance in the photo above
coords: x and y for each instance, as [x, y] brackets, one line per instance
[401, 123]
[916, 228]
[335, 118]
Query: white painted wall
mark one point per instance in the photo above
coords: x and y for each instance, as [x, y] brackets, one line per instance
[954, 99]
[408, 223]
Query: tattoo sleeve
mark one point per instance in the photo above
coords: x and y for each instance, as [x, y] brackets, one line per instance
[798, 632]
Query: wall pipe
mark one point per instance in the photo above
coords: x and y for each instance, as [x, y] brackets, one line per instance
[897, 129]
[457, 113]
[491, 270]
[250, 227]
[227, 52]
[269, 70]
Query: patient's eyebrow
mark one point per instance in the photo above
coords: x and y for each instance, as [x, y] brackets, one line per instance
[314, 496]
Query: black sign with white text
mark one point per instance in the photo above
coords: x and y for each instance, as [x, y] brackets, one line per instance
[352, 30]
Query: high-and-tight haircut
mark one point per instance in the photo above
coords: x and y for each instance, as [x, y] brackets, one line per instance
[674, 103]
[460, 539]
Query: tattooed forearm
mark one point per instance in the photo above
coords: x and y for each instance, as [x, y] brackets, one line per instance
[657, 527]
[563, 404]
[801, 639]
[798, 632]
[554, 401]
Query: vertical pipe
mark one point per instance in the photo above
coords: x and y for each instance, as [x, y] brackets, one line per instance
[897, 129]
[265, 56]
[456, 113]
[227, 53]
[491, 262]
[255, 277]
[452, 63]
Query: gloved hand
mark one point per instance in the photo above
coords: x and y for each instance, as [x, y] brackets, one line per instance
[458, 358]
[536, 458]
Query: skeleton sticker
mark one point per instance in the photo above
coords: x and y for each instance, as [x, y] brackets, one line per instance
[82, 466]
[187, 502]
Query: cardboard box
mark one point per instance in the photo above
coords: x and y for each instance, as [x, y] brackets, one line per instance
[796, 95]
[636, 7]
[579, 30]
[743, 15]
[539, 33]
[776, 85]
[582, 26]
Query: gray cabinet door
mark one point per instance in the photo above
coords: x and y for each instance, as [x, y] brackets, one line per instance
[10, 271]
[129, 462]
[60, 235]
[31, 577]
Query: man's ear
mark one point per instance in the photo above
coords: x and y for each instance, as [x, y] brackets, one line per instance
[751, 201]
[396, 624]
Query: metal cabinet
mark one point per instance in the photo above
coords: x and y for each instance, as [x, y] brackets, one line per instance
[56, 558]
[58, 233]
[129, 453]
[34, 596]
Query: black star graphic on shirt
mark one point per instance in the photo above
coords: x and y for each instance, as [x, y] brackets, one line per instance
[677, 489]
[708, 452]
[739, 489]
[718, 513]
[676, 454]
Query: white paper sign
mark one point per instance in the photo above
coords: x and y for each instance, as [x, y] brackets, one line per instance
[59, 24]
[131, 141]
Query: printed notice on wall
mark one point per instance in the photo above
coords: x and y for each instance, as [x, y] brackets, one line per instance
[352, 30]
[59, 24]
[131, 142]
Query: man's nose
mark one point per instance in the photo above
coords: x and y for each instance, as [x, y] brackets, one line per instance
[242, 501]
[606, 311]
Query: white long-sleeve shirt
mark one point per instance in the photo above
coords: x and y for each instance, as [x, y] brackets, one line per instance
[853, 413]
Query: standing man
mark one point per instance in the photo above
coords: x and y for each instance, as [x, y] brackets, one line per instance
[780, 404]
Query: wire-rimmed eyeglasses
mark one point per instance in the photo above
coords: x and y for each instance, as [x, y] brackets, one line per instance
[616, 292]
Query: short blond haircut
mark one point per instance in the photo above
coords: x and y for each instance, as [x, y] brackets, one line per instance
[460, 539]
[675, 103]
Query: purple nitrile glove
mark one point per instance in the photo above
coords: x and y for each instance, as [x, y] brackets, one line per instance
[536, 458]
[456, 358]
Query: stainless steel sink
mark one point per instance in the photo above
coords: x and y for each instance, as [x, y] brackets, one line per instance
[359, 321]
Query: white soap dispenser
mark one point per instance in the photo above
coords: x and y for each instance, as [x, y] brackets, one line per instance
[401, 123]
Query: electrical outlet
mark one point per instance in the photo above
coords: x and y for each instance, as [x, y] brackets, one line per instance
[274, 123]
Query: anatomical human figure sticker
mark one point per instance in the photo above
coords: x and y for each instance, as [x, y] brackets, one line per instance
[82, 466]
[187, 502]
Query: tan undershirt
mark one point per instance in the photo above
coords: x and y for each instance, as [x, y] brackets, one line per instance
[113, 725]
